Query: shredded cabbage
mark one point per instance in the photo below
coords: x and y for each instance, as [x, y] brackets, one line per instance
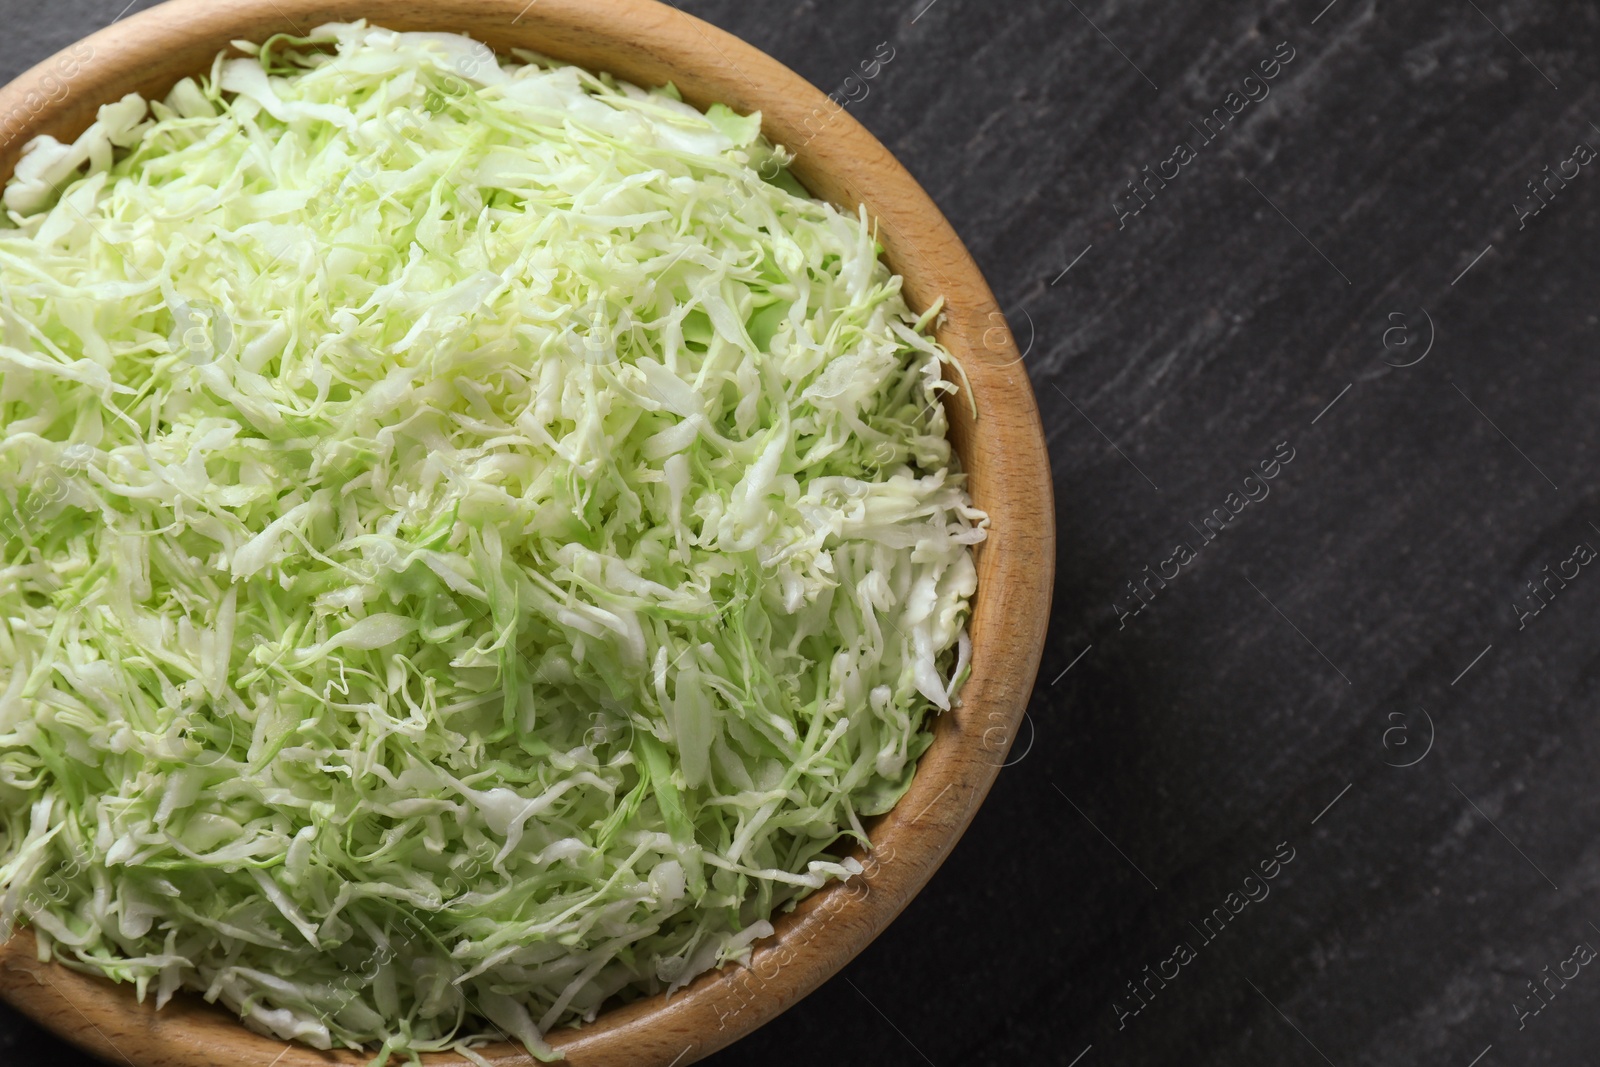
[476, 540]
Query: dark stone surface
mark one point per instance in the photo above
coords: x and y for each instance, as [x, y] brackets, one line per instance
[1194, 738]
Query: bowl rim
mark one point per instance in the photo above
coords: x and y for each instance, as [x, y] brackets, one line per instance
[994, 426]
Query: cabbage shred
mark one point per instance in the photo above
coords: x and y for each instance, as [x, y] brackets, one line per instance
[476, 540]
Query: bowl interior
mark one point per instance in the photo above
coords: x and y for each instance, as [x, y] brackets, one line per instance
[994, 427]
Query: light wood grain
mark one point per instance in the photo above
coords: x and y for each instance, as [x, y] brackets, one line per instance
[1002, 450]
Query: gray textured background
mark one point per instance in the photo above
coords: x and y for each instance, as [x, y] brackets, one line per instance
[1189, 741]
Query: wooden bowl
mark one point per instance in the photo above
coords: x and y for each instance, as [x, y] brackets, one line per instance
[1002, 449]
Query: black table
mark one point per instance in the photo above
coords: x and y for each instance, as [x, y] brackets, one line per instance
[1319, 786]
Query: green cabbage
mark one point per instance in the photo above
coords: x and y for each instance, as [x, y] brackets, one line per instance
[476, 540]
